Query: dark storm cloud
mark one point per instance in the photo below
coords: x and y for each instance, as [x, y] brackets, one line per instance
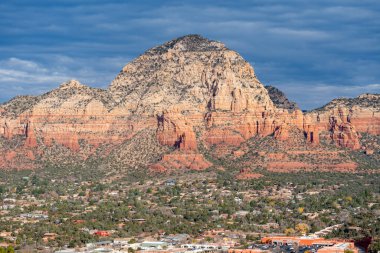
[313, 51]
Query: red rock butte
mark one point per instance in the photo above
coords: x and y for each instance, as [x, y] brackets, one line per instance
[189, 93]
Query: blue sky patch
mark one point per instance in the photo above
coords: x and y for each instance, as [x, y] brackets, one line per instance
[312, 50]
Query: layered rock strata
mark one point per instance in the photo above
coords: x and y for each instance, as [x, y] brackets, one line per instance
[190, 91]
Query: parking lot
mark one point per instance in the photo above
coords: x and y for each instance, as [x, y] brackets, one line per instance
[287, 248]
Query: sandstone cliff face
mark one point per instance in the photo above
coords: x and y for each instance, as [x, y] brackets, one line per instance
[190, 92]
[190, 75]
[67, 116]
[344, 118]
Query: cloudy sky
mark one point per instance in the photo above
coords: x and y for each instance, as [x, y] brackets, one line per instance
[312, 50]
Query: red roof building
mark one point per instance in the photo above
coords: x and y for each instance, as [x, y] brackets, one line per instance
[102, 233]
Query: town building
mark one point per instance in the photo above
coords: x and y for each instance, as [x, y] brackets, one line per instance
[339, 248]
[300, 241]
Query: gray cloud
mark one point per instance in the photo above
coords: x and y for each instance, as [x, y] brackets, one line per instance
[321, 94]
[25, 77]
[295, 45]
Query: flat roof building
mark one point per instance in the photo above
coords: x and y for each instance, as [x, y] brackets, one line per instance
[300, 241]
[339, 248]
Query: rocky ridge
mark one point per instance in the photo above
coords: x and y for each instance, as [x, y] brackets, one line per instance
[280, 100]
[199, 75]
[196, 98]
[344, 119]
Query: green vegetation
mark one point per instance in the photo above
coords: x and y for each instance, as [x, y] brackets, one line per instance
[8, 249]
[192, 203]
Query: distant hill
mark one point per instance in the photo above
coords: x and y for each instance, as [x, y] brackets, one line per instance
[280, 100]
